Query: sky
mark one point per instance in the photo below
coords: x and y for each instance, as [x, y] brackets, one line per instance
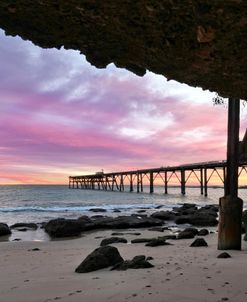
[61, 116]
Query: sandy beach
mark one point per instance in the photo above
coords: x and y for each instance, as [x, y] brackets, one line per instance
[181, 272]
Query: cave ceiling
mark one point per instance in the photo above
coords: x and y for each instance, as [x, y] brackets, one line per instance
[200, 43]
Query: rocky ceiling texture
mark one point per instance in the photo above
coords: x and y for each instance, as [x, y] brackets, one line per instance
[200, 43]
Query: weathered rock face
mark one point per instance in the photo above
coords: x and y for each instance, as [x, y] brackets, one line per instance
[100, 258]
[198, 42]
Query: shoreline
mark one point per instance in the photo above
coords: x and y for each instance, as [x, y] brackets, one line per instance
[180, 272]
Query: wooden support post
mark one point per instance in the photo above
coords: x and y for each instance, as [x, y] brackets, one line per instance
[183, 182]
[166, 183]
[141, 181]
[230, 206]
[112, 183]
[131, 183]
[137, 185]
[121, 183]
[201, 180]
[151, 180]
[105, 184]
[205, 182]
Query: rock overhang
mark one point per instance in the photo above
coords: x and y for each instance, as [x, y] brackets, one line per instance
[198, 42]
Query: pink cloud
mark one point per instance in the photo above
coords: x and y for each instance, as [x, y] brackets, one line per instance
[58, 113]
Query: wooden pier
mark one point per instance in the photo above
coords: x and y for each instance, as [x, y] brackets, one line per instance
[132, 181]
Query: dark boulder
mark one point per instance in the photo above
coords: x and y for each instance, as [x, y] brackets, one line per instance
[199, 242]
[207, 212]
[224, 255]
[186, 235]
[186, 208]
[203, 219]
[102, 257]
[84, 219]
[141, 240]
[157, 242]
[183, 219]
[203, 232]
[111, 240]
[32, 226]
[97, 210]
[137, 262]
[60, 227]
[125, 222]
[4, 229]
[193, 230]
[163, 215]
[210, 207]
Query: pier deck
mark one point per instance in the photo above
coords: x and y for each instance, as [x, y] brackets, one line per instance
[134, 180]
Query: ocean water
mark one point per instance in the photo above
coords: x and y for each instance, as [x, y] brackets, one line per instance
[39, 203]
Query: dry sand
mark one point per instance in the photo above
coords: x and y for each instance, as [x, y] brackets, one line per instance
[181, 273]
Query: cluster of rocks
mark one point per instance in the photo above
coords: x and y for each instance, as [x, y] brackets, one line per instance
[108, 256]
[73, 227]
[60, 227]
[187, 213]
[191, 214]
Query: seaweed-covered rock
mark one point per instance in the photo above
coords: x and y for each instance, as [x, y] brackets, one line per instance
[4, 229]
[111, 240]
[102, 257]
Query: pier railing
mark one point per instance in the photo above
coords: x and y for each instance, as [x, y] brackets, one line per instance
[134, 180]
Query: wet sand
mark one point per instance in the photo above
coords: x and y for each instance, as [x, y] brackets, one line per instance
[181, 273]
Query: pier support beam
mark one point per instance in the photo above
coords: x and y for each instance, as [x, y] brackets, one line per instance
[182, 182]
[137, 183]
[230, 206]
[201, 181]
[121, 183]
[166, 182]
[151, 182]
[141, 182]
[131, 183]
[205, 182]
